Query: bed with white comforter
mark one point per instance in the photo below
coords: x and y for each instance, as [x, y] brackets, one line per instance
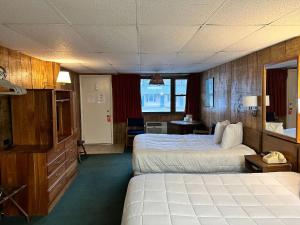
[207, 199]
[161, 153]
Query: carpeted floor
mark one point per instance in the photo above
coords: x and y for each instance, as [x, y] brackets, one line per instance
[96, 197]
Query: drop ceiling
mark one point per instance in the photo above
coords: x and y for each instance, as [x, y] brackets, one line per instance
[145, 36]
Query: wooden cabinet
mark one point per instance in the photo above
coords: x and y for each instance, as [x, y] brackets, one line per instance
[44, 155]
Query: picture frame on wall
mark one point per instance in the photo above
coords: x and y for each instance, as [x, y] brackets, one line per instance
[209, 92]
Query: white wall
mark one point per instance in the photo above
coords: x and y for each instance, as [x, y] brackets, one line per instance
[292, 82]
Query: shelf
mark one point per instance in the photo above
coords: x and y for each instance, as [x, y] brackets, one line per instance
[63, 100]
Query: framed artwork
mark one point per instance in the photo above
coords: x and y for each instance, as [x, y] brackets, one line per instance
[209, 92]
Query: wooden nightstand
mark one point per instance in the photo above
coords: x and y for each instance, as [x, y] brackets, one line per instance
[255, 164]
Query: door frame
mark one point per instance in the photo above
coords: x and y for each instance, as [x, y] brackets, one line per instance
[111, 105]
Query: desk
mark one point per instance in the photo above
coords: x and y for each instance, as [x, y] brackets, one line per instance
[184, 127]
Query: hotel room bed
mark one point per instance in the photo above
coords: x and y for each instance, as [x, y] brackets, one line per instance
[159, 153]
[208, 199]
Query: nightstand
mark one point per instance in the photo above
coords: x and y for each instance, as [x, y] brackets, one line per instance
[255, 164]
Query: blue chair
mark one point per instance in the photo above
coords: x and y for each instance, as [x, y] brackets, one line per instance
[135, 126]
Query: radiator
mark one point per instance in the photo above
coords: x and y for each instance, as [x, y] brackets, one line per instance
[156, 127]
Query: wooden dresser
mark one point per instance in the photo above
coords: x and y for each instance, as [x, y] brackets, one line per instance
[44, 154]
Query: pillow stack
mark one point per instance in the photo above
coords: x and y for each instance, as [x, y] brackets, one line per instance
[228, 135]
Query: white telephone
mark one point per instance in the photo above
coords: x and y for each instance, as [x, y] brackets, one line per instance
[274, 157]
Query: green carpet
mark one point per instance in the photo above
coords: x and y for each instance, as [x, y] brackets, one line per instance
[96, 196]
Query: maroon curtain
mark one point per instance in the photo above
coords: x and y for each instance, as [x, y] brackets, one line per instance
[126, 97]
[192, 105]
[276, 89]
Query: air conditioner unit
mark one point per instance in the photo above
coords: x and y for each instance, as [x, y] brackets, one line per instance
[156, 127]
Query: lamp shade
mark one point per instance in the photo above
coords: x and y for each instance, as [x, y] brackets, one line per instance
[63, 77]
[250, 101]
[156, 79]
[267, 100]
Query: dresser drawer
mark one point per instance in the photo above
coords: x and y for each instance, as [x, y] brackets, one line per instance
[56, 163]
[71, 155]
[71, 171]
[51, 155]
[52, 178]
[54, 191]
[70, 143]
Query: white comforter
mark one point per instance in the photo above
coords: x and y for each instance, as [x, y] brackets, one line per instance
[158, 153]
[224, 199]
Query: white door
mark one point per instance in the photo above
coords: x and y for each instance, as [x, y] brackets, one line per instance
[96, 109]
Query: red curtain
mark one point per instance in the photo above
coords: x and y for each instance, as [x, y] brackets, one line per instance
[276, 89]
[126, 97]
[192, 105]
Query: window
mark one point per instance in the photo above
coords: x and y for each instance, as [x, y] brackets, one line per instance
[156, 98]
[170, 97]
[180, 94]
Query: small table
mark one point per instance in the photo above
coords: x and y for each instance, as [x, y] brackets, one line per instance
[186, 127]
[255, 164]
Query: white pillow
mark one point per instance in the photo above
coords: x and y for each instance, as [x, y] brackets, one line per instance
[219, 130]
[233, 136]
[275, 127]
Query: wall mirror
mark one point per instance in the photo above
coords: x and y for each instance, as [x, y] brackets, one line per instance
[280, 99]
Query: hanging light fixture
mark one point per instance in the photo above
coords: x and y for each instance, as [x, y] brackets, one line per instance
[63, 77]
[156, 79]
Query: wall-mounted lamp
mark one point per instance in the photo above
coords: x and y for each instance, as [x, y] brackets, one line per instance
[63, 77]
[251, 103]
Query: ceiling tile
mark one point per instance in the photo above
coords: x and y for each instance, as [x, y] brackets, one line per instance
[110, 39]
[265, 37]
[191, 58]
[224, 57]
[13, 40]
[177, 12]
[192, 68]
[165, 39]
[154, 59]
[127, 68]
[104, 12]
[252, 12]
[59, 37]
[29, 11]
[79, 68]
[292, 19]
[216, 38]
[122, 59]
[157, 69]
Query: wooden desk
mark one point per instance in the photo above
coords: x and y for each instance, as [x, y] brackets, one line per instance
[184, 127]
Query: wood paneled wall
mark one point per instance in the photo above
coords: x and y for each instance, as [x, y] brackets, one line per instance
[239, 78]
[31, 73]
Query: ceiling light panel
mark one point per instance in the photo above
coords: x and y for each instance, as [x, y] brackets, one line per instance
[216, 38]
[110, 39]
[267, 36]
[59, 37]
[104, 12]
[29, 11]
[165, 39]
[177, 12]
[253, 12]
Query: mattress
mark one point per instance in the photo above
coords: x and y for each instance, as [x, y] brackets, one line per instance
[165, 153]
[207, 199]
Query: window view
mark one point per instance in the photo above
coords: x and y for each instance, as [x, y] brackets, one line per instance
[180, 94]
[156, 98]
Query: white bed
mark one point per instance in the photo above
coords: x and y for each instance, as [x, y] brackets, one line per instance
[161, 153]
[291, 132]
[207, 199]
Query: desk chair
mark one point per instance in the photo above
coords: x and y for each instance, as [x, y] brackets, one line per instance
[134, 127]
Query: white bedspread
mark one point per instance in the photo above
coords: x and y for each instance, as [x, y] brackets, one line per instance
[224, 199]
[158, 153]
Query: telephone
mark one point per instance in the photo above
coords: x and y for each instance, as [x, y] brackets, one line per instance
[274, 157]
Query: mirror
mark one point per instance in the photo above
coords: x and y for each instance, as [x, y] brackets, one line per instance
[281, 98]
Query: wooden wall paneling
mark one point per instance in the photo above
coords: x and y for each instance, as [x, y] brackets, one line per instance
[26, 78]
[48, 75]
[298, 111]
[14, 64]
[278, 52]
[5, 124]
[37, 74]
[56, 69]
[4, 58]
[293, 47]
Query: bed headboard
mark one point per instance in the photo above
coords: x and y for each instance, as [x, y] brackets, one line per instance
[288, 148]
[252, 138]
